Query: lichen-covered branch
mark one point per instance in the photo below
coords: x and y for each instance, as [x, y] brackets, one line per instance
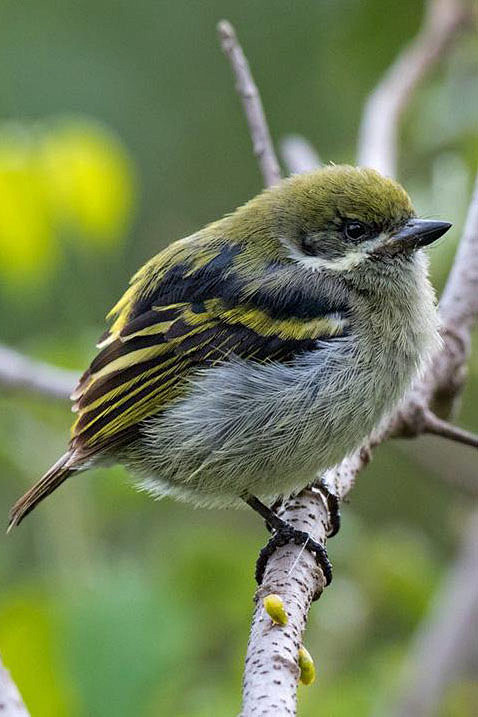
[11, 703]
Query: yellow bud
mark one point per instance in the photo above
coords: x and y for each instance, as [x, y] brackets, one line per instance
[275, 609]
[306, 666]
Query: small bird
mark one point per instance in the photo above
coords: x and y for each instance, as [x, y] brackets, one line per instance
[247, 358]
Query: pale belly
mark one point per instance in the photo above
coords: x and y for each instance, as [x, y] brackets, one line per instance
[264, 429]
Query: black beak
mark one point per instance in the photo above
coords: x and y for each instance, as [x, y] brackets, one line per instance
[421, 232]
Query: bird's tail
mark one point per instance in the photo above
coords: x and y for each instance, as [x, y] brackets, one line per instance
[53, 478]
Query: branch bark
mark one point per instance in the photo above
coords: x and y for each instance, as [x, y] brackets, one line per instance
[271, 669]
[19, 372]
[437, 427]
[11, 703]
[251, 102]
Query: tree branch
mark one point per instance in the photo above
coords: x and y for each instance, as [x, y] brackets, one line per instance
[19, 372]
[298, 154]
[459, 311]
[11, 704]
[443, 22]
[438, 427]
[271, 669]
[251, 102]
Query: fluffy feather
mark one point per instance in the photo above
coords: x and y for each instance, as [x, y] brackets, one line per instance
[262, 348]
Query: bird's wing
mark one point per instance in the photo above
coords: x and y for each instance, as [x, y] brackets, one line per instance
[174, 320]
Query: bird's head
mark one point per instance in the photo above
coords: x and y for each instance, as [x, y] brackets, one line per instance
[349, 221]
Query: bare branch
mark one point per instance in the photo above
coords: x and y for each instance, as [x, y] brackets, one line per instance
[251, 102]
[298, 154]
[459, 311]
[11, 704]
[19, 372]
[438, 427]
[445, 640]
[443, 22]
[462, 280]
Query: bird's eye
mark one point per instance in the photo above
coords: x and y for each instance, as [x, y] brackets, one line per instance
[355, 230]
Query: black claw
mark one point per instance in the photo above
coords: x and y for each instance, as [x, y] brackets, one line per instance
[274, 508]
[333, 507]
[334, 514]
[283, 534]
[288, 534]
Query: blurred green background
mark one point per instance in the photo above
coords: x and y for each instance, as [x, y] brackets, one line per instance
[120, 132]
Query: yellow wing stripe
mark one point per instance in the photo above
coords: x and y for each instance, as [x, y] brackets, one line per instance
[170, 370]
[159, 328]
[118, 403]
[122, 387]
[165, 367]
[288, 329]
[136, 412]
[261, 323]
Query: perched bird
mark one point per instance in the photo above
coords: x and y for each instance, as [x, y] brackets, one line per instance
[261, 350]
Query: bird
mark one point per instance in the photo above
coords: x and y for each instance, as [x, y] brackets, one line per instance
[247, 358]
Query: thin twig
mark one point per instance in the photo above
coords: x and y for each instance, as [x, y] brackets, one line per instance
[377, 147]
[438, 427]
[19, 372]
[11, 703]
[251, 102]
[298, 154]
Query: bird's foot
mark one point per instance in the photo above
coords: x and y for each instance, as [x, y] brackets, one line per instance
[333, 506]
[287, 534]
[284, 533]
